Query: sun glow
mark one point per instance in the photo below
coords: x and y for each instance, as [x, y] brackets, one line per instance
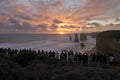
[62, 33]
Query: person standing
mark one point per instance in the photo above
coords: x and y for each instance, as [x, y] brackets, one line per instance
[111, 59]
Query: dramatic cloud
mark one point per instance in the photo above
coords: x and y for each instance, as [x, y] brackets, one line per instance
[114, 25]
[47, 17]
[58, 15]
[57, 21]
[24, 17]
[12, 20]
[54, 26]
[3, 14]
[117, 19]
[42, 27]
[98, 9]
[19, 27]
[25, 26]
[3, 26]
[69, 27]
[94, 24]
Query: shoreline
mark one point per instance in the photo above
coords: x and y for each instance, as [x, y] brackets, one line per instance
[77, 48]
[56, 46]
[53, 45]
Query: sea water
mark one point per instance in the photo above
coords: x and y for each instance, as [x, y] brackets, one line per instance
[47, 42]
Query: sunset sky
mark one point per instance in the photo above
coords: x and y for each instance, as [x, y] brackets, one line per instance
[59, 16]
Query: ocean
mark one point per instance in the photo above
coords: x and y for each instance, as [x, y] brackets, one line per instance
[47, 42]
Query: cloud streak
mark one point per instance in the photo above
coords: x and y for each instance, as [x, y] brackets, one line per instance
[57, 21]
[55, 15]
[98, 9]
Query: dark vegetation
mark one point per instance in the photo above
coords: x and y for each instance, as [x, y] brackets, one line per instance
[32, 65]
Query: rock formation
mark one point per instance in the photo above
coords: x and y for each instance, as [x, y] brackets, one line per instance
[83, 37]
[70, 37]
[76, 38]
[108, 42]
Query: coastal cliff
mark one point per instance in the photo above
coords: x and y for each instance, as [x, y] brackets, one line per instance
[108, 42]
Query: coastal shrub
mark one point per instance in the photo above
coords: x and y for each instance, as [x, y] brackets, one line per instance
[45, 59]
[90, 74]
[38, 71]
[24, 59]
[10, 70]
[42, 57]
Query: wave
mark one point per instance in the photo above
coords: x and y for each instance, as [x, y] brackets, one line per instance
[51, 44]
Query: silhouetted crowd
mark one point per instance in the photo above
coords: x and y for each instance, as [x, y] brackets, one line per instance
[67, 57]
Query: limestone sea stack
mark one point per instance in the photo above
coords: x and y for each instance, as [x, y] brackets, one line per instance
[83, 37]
[76, 40]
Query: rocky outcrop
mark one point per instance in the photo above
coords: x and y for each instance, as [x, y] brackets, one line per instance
[76, 38]
[83, 37]
[108, 42]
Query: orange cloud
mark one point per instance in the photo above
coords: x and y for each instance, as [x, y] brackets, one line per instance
[22, 10]
[71, 13]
